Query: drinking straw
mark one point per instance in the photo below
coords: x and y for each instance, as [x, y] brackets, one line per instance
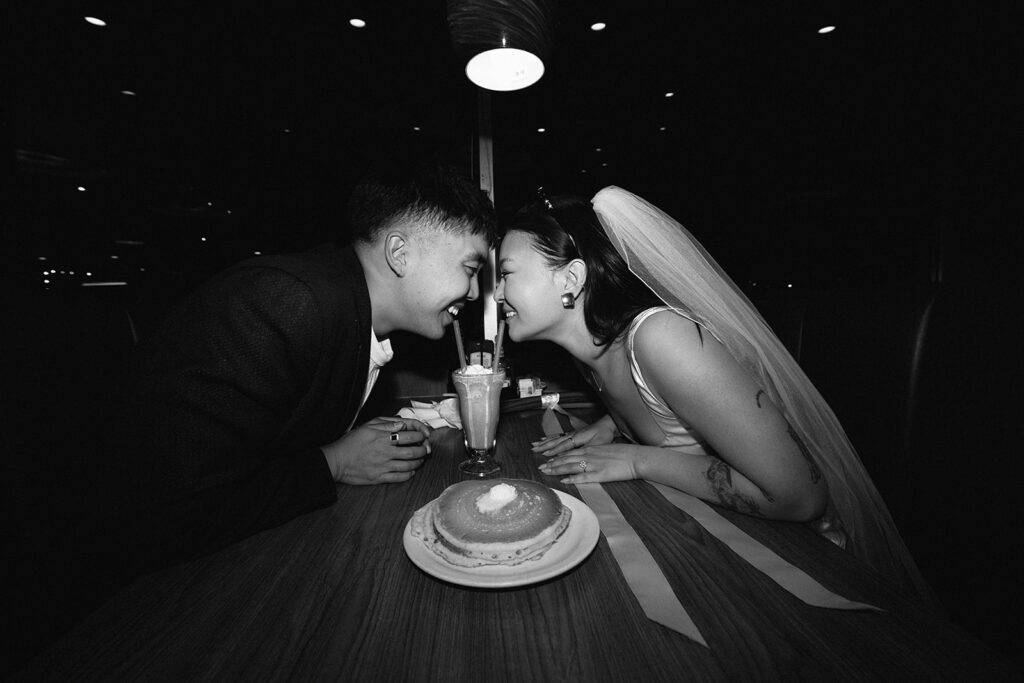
[497, 346]
[458, 343]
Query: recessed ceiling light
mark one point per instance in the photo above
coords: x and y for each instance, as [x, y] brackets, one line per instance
[598, 26]
[95, 22]
[358, 23]
[541, 130]
[41, 258]
[81, 189]
[670, 94]
[129, 93]
[826, 29]
[415, 127]
[597, 149]
[662, 128]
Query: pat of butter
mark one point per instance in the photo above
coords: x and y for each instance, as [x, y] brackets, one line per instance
[495, 499]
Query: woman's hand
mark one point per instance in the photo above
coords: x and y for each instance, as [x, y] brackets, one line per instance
[601, 432]
[612, 462]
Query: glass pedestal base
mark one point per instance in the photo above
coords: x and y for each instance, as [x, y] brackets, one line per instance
[480, 465]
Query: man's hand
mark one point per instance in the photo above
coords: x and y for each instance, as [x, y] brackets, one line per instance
[383, 450]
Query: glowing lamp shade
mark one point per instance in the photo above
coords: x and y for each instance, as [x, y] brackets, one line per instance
[504, 43]
[505, 68]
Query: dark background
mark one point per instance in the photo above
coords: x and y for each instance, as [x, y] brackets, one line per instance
[885, 150]
[883, 157]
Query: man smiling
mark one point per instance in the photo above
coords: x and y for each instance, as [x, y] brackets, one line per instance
[241, 408]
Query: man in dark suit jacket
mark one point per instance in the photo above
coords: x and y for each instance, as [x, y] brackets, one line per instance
[239, 415]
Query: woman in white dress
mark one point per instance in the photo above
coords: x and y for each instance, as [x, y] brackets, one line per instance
[701, 395]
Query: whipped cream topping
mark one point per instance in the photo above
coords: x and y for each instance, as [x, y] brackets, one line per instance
[498, 497]
[475, 369]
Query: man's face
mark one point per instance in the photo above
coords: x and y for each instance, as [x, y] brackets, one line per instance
[443, 273]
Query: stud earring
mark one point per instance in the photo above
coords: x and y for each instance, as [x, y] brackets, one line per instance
[568, 300]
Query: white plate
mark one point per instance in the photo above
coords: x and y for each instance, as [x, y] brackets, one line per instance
[572, 547]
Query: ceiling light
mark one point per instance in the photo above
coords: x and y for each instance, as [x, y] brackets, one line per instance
[41, 258]
[670, 94]
[358, 23]
[541, 130]
[81, 189]
[95, 22]
[504, 45]
[597, 149]
[599, 26]
[505, 69]
[129, 93]
[826, 29]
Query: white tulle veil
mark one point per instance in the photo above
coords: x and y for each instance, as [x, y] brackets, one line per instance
[674, 265]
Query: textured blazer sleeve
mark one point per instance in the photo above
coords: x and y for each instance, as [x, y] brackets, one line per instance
[222, 425]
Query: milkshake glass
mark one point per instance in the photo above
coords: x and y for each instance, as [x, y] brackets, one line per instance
[479, 391]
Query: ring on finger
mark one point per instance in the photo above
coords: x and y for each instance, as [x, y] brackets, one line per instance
[394, 437]
[583, 465]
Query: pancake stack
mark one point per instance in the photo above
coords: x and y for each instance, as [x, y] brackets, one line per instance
[492, 522]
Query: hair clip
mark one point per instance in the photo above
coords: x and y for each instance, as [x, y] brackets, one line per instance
[544, 198]
[547, 202]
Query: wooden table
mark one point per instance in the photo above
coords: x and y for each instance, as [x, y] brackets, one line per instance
[332, 596]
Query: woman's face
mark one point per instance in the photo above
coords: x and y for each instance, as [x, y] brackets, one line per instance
[529, 290]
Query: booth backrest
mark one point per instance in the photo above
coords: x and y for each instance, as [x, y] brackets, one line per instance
[862, 349]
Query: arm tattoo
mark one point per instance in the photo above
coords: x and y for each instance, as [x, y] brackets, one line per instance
[719, 476]
[811, 465]
[757, 397]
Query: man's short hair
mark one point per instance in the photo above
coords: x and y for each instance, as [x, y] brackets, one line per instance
[439, 195]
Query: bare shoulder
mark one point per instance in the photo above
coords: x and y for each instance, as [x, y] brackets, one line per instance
[668, 332]
[670, 349]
